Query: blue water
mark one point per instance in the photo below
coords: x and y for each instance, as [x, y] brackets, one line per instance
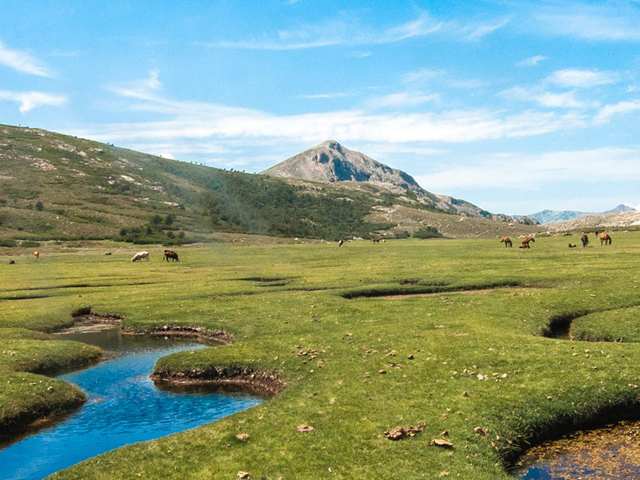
[123, 407]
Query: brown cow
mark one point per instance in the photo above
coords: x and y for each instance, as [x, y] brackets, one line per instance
[36, 255]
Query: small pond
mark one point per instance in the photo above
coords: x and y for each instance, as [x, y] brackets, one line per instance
[608, 453]
[123, 407]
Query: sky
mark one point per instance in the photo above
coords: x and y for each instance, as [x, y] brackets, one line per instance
[515, 106]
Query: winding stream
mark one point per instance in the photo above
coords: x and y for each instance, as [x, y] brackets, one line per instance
[123, 407]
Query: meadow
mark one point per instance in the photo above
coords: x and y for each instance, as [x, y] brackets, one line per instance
[474, 344]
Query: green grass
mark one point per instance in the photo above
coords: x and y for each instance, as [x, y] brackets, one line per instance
[479, 359]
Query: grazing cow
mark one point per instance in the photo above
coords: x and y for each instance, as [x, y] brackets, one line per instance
[585, 240]
[170, 254]
[507, 242]
[36, 255]
[12, 262]
[139, 256]
[376, 240]
[526, 240]
[605, 239]
[572, 245]
[341, 243]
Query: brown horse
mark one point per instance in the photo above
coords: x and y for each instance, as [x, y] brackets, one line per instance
[585, 240]
[526, 240]
[605, 239]
[36, 255]
[507, 242]
[376, 240]
[170, 254]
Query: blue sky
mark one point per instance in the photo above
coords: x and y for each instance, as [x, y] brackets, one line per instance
[515, 106]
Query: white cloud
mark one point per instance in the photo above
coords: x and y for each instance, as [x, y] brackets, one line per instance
[475, 33]
[349, 32]
[531, 61]
[582, 78]
[325, 95]
[421, 76]
[22, 62]
[545, 98]
[30, 100]
[606, 21]
[401, 99]
[144, 89]
[523, 172]
[621, 108]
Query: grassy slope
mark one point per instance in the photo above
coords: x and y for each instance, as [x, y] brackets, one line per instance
[528, 382]
[95, 190]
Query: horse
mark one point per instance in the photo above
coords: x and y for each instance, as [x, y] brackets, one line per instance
[139, 256]
[507, 242]
[341, 243]
[526, 240]
[376, 240]
[170, 254]
[36, 255]
[585, 240]
[605, 239]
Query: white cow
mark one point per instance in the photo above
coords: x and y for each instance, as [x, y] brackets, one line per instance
[139, 256]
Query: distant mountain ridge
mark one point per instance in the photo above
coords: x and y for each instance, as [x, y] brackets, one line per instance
[331, 162]
[548, 216]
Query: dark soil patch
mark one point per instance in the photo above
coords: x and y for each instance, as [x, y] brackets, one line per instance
[217, 337]
[267, 384]
[417, 281]
[418, 290]
[265, 279]
[26, 297]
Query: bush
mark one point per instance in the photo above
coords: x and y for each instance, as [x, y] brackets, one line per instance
[29, 244]
[8, 243]
[427, 232]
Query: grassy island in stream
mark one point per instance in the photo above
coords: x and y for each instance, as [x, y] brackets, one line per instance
[363, 339]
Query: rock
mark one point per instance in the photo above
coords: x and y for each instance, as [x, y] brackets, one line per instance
[480, 431]
[243, 475]
[400, 432]
[243, 437]
[438, 442]
[382, 372]
[304, 428]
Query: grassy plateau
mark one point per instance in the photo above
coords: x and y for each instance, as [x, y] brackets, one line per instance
[365, 338]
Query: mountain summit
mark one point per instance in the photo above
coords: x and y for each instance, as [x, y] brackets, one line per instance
[332, 162]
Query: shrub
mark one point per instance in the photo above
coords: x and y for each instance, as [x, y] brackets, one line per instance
[8, 243]
[427, 232]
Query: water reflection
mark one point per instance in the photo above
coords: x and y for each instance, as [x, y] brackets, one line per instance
[123, 407]
[608, 453]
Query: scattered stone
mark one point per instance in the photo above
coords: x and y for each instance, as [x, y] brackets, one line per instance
[400, 432]
[465, 394]
[243, 437]
[243, 475]
[304, 428]
[549, 398]
[480, 431]
[410, 357]
[438, 442]
[382, 372]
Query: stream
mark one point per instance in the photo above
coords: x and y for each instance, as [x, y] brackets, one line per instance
[123, 407]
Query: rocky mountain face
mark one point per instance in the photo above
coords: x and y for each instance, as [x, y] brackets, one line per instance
[332, 162]
[548, 216]
[604, 220]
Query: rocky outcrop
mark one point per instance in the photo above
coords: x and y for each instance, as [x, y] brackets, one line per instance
[331, 162]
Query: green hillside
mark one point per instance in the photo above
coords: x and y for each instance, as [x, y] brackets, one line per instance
[58, 187]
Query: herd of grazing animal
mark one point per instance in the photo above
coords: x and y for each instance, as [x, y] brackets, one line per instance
[605, 239]
[144, 255]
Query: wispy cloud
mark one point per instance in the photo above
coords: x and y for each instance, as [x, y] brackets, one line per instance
[544, 98]
[605, 21]
[145, 88]
[23, 62]
[580, 166]
[424, 75]
[621, 108]
[582, 78]
[401, 99]
[350, 32]
[314, 96]
[531, 61]
[30, 100]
